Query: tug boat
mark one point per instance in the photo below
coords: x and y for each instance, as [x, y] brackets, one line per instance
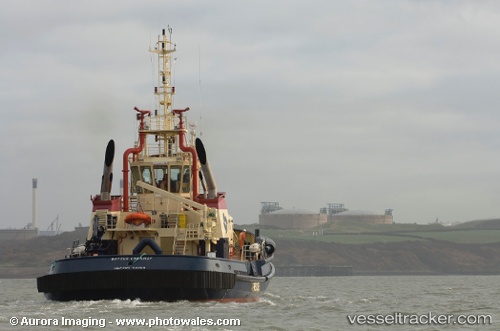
[162, 239]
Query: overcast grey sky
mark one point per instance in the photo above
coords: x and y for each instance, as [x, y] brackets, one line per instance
[374, 104]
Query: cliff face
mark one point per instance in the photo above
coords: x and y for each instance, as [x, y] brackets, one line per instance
[406, 257]
[32, 258]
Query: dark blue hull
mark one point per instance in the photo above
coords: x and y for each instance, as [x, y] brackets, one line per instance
[156, 278]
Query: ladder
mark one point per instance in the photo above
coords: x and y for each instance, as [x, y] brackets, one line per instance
[179, 240]
[191, 232]
[180, 247]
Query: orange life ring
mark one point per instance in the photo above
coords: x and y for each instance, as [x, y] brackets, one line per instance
[138, 219]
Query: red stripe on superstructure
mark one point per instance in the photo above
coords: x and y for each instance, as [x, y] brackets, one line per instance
[219, 202]
[112, 205]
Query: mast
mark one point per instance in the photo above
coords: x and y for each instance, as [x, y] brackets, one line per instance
[169, 137]
[164, 91]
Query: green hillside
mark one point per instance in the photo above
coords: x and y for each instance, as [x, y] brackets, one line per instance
[362, 233]
[471, 248]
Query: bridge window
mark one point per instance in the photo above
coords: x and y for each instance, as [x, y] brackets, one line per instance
[135, 178]
[186, 180]
[161, 177]
[175, 178]
[146, 175]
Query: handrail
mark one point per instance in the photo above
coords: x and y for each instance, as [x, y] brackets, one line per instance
[191, 205]
[174, 245]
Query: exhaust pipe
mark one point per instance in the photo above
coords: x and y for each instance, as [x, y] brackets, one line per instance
[205, 168]
[107, 173]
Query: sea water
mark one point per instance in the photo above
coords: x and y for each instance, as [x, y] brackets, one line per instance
[296, 303]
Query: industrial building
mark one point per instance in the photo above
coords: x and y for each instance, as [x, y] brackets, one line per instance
[31, 230]
[362, 216]
[17, 234]
[273, 215]
[337, 212]
[333, 208]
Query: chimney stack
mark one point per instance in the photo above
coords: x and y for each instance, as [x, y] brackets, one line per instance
[34, 221]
